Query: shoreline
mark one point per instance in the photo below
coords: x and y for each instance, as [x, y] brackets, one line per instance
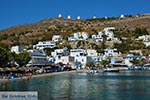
[41, 75]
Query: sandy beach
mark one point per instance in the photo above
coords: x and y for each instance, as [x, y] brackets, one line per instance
[43, 75]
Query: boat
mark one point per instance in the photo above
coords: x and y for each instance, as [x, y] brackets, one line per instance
[146, 66]
[121, 67]
[111, 70]
[135, 67]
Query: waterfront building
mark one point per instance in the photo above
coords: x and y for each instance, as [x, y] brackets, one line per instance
[132, 57]
[80, 57]
[45, 44]
[17, 49]
[117, 60]
[38, 58]
[58, 53]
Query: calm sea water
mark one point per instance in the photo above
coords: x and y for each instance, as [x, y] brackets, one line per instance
[129, 85]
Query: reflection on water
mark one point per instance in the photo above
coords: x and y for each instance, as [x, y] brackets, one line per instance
[131, 85]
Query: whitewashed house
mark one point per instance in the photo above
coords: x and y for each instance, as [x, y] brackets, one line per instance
[58, 53]
[147, 44]
[109, 32]
[68, 61]
[93, 55]
[79, 57]
[111, 52]
[57, 38]
[77, 52]
[17, 49]
[91, 52]
[98, 38]
[145, 38]
[45, 44]
[79, 36]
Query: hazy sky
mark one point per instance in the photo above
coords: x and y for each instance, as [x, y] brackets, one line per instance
[16, 12]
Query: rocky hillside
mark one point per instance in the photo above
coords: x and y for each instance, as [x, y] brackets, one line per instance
[43, 30]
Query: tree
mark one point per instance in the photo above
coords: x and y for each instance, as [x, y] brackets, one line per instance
[90, 64]
[104, 62]
[3, 57]
[23, 58]
[140, 31]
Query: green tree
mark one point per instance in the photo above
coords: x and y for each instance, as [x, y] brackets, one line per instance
[140, 31]
[23, 58]
[90, 64]
[104, 62]
[3, 57]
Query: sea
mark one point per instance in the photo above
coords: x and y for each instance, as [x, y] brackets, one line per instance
[125, 85]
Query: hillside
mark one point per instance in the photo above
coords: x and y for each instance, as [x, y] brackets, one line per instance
[43, 30]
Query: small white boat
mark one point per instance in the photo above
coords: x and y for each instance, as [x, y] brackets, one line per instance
[146, 67]
[121, 67]
[111, 70]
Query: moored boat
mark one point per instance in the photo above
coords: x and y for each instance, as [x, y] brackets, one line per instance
[111, 70]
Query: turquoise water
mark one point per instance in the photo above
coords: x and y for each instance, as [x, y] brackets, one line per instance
[129, 85]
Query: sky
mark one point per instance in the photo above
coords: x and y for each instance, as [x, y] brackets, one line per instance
[18, 12]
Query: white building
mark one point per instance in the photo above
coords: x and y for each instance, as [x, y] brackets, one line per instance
[78, 18]
[145, 38]
[147, 44]
[57, 38]
[98, 38]
[45, 44]
[69, 17]
[79, 36]
[109, 32]
[122, 16]
[59, 16]
[91, 52]
[38, 58]
[111, 52]
[57, 54]
[17, 49]
[77, 52]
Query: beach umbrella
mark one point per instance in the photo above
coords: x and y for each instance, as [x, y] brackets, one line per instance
[1, 69]
[48, 67]
[7, 69]
[13, 69]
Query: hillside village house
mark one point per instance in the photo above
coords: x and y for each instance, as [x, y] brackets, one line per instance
[108, 31]
[17, 49]
[146, 39]
[81, 56]
[45, 44]
[57, 38]
[79, 36]
[99, 37]
[111, 52]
